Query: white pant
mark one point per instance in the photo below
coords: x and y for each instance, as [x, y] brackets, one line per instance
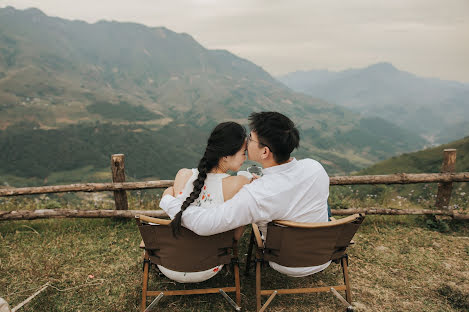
[190, 277]
[298, 271]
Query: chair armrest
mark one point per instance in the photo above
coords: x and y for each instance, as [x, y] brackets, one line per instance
[319, 224]
[154, 220]
[257, 235]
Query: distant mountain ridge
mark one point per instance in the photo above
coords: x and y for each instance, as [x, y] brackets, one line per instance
[55, 60]
[56, 74]
[434, 108]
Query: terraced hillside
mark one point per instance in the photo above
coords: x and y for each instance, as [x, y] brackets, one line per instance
[61, 80]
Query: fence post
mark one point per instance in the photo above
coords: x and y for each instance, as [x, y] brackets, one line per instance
[445, 188]
[118, 175]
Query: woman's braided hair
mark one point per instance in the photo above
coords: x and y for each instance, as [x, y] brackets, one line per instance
[225, 140]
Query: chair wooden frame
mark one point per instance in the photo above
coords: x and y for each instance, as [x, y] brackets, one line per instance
[257, 241]
[160, 293]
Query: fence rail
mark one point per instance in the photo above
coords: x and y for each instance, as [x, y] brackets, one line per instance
[72, 213]
[119, 187]
[87, 187]
[399, 178]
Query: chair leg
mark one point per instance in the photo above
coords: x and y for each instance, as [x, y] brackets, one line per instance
[146, 265]
[248, 257]
[339, 296]
[154, 302]
[266, 304]
[236, 273]
[230, 301]
[258, 286]
[237, 284]
[348, 293]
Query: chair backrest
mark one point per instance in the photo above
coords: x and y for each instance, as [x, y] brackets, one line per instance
[294, 244]
[188, 252]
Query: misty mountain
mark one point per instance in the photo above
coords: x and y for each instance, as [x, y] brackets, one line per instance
[434, 108]
[61, 80]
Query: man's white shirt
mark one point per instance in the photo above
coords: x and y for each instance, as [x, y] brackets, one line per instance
[294, 191]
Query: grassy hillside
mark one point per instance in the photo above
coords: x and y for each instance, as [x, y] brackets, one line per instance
[413, 196]
[428, 160]
[64, 77]
[28, 153]
[81, 152]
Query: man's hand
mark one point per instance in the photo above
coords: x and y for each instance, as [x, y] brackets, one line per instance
[168, 191]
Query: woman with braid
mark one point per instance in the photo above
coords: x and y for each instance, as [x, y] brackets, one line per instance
[209, 185]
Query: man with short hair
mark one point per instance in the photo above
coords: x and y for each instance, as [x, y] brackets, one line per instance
[290, 189]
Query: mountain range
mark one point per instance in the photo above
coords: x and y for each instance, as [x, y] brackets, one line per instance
[432, 108]
[73, 93]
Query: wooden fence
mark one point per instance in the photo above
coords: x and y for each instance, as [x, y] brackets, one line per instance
[444, 179]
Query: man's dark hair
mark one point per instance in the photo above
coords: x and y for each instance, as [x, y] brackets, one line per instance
[277, 132]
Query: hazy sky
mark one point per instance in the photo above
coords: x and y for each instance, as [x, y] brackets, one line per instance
[426, 37]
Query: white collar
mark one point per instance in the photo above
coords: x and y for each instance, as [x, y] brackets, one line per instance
[280, 168]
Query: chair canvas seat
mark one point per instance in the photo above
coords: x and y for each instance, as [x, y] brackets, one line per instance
[188, 252]
[293, 244]
[303, 247]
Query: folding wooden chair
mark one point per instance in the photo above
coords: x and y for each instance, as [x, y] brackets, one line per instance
[295, 244]
[188, 252]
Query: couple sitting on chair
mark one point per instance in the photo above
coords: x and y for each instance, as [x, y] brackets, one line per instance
[209, 201]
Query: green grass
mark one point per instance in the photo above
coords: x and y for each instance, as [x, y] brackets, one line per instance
[397, 264]
[410, 196]
[122, 110]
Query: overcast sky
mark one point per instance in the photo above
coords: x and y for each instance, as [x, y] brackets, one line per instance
[427, 37]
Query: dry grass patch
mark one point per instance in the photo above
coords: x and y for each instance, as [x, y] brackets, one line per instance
[397, 264]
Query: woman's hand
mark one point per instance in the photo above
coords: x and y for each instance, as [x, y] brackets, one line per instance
[168, 191]
[254, 177]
